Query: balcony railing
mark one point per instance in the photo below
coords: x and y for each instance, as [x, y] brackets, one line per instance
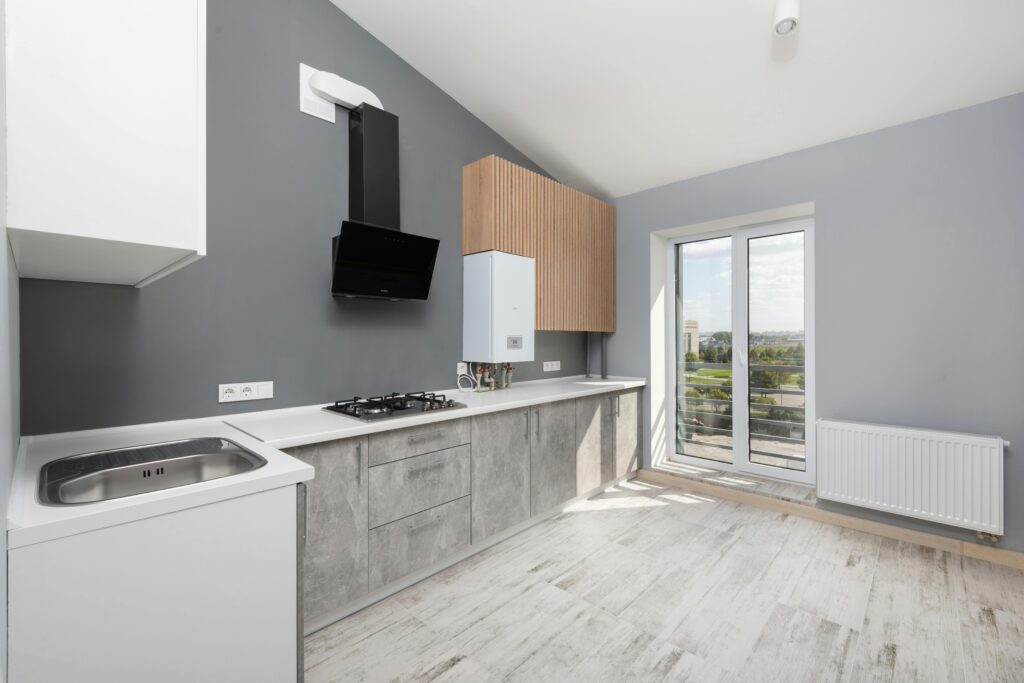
[776, 413]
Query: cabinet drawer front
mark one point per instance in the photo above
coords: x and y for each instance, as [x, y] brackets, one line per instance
[405, 443]
[416, 542]
[404, 487]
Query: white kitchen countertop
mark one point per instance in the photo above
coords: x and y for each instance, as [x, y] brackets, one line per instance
[290, 427]
[29, 521]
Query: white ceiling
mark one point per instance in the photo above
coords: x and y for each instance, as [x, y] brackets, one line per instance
[618, 96]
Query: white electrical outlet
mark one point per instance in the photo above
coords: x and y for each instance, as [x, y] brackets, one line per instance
[462, 368]
[227, 393]
[552, 365]
[244, 391]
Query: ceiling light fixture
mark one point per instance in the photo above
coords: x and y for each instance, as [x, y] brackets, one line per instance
[787, 17]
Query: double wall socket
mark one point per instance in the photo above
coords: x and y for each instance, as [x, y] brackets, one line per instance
[552, 365]
[244, 391]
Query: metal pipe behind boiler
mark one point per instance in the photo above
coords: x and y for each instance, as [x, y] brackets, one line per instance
[588, 353]
[604, 355]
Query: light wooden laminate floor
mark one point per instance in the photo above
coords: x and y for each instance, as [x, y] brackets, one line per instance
[645, 583]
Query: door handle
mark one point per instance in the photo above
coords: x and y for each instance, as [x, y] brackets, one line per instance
[359, 461]
[423, 525]
[538, 423]
[426, 435]
[424, 468]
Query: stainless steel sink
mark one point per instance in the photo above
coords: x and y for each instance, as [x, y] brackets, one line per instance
[105, 475]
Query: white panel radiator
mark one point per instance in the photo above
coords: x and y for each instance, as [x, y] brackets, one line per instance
[954, 479]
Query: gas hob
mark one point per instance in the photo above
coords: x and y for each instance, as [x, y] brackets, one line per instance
[393, 405]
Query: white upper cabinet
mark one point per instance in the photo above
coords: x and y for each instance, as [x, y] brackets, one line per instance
[106, 138]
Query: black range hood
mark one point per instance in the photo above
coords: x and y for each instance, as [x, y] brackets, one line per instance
[372, 257]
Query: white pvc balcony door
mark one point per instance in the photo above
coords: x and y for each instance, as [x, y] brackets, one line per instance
[744, 351]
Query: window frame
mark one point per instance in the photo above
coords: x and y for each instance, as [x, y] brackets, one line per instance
[740, 319]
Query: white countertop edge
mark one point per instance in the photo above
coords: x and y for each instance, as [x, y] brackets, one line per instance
[30, 522]
[500, 400]
[200, 494]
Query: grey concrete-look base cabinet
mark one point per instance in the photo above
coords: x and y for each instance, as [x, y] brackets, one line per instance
[501, 471]
[337, 507]
[552, 455]
[387, 506]
[607, 438]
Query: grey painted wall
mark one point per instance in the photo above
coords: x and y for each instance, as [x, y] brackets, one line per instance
[919, 281]
[258, 306]
[9, 384]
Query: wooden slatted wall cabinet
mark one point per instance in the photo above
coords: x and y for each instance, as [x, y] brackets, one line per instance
[570, 234]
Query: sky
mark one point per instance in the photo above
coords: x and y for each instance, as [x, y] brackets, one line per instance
[776, 267]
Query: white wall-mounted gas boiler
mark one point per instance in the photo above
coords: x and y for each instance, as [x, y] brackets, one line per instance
[498, 307]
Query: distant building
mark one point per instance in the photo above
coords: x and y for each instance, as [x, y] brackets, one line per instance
[691, 337]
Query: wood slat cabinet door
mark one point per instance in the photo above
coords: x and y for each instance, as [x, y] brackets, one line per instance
[552, 455]
[600, 284]
[500, 472]
[570, 234]
[501, 207]
[335, 567]
[479, 205]
[553, 257]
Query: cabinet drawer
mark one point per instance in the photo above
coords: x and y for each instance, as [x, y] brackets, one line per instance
[405, 443]
[401, 488]
[400, 548]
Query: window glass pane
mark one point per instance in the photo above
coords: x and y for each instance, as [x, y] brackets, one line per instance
[704, 349]
[776, 351]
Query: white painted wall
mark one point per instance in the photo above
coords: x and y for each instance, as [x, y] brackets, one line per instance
[10, 395]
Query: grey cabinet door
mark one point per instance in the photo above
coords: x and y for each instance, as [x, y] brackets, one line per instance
[335, 570]
[501, 471]
[628, 412]
[595, 442]
[552, 455]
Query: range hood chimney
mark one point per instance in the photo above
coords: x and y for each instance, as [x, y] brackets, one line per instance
[373, 167]
[372, 257]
